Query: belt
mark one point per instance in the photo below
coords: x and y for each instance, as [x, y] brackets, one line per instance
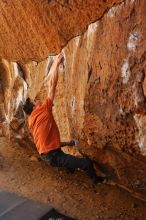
[51, 152]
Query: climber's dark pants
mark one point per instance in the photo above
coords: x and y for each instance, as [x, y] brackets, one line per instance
[58, 158]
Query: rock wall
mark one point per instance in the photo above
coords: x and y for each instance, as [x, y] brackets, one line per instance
[106, 89]
[100, 98]
[105, 80]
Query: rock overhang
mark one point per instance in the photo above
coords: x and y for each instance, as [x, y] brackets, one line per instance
[32, 29]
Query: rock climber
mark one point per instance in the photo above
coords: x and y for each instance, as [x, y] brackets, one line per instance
[46, 133]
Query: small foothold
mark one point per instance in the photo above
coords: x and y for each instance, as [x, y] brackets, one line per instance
[33, 158]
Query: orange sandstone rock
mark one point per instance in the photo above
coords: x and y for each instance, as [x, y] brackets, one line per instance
[31, 29]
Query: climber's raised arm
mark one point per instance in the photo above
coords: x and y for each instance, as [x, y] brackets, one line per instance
[53, 76]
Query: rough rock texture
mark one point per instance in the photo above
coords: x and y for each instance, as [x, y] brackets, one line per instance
[100, 98]
[32, 28]
[24, 173]
[105, 89]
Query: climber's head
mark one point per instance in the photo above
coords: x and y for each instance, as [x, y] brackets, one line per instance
[28, 106]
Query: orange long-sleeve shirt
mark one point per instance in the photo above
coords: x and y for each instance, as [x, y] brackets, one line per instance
[43, 128]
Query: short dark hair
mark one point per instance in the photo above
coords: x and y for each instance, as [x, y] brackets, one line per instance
[28, 106]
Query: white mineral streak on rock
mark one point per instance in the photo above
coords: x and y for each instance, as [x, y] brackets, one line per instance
[125, 72]
[8, 114]
[75, 42]
[141, 136]
[15, 69]
[91, 31]
[25, 90]
[19, 98]
[112, 12]
[21, 95]
[92, 28]
[132, 41]
[22, 91]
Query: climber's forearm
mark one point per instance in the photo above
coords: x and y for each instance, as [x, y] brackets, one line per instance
[53, 76]
[53, 71]
[52, 85]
